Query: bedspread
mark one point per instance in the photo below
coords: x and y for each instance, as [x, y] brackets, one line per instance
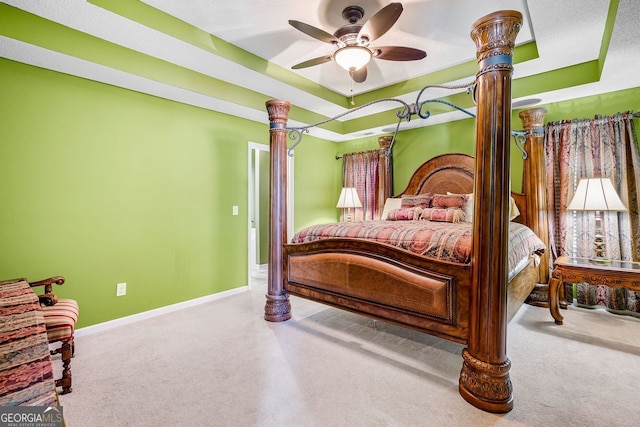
[439, 240]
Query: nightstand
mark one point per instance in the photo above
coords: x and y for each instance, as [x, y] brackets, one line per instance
[615, 274]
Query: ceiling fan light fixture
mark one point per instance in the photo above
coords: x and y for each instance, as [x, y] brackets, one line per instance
[352, 58]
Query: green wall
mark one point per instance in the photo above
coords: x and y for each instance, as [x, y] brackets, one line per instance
[588, 107]
[316, 198]
[104, 185]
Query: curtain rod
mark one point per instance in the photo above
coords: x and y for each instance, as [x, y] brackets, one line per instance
[358, 152]
[629, 112]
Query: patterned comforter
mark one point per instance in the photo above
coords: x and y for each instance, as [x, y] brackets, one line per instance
[439, 240]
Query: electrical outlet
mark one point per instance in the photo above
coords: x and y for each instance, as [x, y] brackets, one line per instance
[121, 289]
[235, 210]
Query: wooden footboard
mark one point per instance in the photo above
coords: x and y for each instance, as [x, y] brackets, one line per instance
[389, 284]
[383, 282]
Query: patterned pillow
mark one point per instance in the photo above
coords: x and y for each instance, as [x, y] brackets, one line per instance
[467, 206]
[443, 215]
[446, 201]
[390, 204]
[404, 214]
[419, 200]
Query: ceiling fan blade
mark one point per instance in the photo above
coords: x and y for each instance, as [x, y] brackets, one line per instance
[360, 75]
[311, 62]
[381, 22]
[314, 32]
[398, 53]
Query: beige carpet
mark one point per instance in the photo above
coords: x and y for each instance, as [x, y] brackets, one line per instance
[221, 364]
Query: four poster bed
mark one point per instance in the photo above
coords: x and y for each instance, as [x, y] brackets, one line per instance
[466, 299]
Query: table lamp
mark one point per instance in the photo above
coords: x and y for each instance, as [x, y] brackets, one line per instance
[348, 199]
[597, 195]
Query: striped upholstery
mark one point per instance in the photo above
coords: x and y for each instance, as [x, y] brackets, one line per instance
[26, 376]
[61, 319]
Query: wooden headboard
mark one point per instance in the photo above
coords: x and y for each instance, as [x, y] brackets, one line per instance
[452, 173]
[446, 173]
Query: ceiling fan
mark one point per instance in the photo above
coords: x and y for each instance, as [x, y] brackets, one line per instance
[354, 52]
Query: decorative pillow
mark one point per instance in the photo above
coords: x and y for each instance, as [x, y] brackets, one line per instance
[404, 214]
[390, 204]
[467, 206]
[446, 201]
[443, 215]
[513, 209]
[419, 200]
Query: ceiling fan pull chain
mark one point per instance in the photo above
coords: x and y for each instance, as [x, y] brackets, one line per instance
[353, 102]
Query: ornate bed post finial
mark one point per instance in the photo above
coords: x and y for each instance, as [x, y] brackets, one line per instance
[385, 144]
[533, 120]
[535, 185]
[277, 307]
[484, 378]
[495, 37]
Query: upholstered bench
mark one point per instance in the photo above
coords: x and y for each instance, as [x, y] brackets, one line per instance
[60, 318]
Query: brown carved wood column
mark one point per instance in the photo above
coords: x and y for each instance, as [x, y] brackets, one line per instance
[535, 187]
[385, 182]
[484, 379]
[277, 307]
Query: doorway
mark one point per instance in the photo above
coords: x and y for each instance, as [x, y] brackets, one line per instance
[258, 210]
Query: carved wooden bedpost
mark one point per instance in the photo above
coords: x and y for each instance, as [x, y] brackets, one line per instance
[277, 307]
[385, 182]
[535, 182]
[484, 379]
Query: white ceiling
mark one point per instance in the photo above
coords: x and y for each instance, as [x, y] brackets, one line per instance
[263, 29]
[566, 32]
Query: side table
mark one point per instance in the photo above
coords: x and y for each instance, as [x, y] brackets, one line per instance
[615, 274]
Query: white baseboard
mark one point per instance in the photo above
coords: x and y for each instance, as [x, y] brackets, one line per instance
[93, 329]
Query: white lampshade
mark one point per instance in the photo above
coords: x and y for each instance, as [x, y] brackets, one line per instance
[352, 58]
[349, 198]
[596, 194]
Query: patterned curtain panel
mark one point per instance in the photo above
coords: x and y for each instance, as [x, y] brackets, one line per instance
[600, 147]
[361, 170]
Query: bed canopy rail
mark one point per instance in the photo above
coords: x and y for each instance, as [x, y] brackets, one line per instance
[484, 378]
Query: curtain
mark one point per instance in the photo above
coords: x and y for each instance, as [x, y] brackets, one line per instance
[361, 170]
[605, 146]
